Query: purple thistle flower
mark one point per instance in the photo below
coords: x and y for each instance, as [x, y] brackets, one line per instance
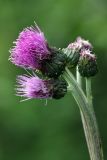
[31, 48]
[33, 87]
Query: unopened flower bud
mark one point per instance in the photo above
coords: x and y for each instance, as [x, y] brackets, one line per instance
[73, 55]
[87, 64]
[54, 67]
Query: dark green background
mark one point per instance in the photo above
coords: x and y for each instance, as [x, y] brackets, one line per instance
[30, 130]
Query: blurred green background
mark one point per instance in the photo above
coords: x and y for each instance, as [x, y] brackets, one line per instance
[30, 130]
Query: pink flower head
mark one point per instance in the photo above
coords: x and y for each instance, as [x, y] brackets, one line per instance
[85, 44]
[75, 46]
[31, 49]
[87, 54]
[33, 87]
[80, 44]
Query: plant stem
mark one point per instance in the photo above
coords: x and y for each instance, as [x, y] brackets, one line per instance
[89, 91]
[79, 78]
[87, 135]
[89, 98]
[91, 129]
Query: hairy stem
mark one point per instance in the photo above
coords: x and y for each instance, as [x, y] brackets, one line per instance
[89, 122]
[84, 122]
[89, 98]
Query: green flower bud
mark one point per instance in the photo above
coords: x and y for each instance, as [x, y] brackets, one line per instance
[59, 88]
[87, 64]
[54, 67]
[72, 56]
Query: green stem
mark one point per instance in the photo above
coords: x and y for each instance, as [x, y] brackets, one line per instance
[90, 98]
[79, 78]
[89, 119]
[84, 122]
[89, 91]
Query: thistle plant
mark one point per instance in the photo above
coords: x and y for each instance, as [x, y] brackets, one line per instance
[50, 76]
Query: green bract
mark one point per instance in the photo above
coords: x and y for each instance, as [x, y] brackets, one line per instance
[72, 57]
[59, 88]
[54, 67]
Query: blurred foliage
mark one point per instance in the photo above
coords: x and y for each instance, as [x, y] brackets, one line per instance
[30, 130]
